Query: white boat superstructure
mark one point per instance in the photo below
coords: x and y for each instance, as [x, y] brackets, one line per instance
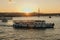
[33, 24]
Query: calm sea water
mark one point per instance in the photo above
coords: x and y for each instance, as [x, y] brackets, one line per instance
[9, 33]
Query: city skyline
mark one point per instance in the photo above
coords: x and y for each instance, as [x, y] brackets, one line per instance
[45, 6]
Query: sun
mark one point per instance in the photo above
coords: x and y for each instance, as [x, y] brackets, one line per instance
[27, 10]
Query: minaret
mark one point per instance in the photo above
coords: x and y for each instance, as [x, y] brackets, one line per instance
[38, 10]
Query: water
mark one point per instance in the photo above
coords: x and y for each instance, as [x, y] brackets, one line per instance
[8, 33]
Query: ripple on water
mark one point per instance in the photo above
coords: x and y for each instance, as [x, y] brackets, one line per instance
[8, 33]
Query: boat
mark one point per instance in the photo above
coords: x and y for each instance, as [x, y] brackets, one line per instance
[49, 16]
[5, 19]
[33, 24]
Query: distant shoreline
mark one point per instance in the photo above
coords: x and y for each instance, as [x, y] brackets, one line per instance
[24, 14]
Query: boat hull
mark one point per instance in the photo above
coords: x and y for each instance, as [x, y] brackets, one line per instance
[34, 26]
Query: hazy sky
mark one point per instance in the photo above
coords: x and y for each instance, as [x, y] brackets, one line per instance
[29, 5]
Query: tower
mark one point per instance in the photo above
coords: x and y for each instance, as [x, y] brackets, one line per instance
[38, 10]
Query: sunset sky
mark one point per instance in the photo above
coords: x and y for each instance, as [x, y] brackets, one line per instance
[45, 6]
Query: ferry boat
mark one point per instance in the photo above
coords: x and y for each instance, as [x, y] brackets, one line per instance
[33, 24]
[5, 19]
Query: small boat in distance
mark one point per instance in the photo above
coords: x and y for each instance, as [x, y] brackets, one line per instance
[49, 16]
[33, 24]
[5, 19]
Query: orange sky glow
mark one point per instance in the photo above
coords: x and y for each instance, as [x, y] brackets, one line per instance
[45, 6]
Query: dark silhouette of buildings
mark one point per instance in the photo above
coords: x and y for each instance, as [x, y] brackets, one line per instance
[18, 14]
